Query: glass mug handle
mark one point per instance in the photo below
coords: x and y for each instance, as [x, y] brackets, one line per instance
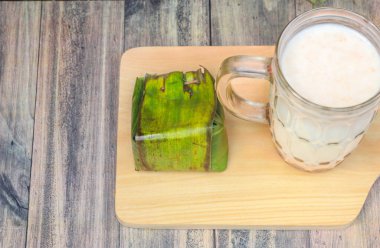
[242, 66]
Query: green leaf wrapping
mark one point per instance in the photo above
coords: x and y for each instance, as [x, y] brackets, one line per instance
[177, 123]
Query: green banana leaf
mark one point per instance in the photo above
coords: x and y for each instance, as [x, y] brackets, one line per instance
[177, 123]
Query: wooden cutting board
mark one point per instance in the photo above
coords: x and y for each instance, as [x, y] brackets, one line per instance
[257, 190]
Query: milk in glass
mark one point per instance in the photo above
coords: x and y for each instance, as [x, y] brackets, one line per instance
[333, 66]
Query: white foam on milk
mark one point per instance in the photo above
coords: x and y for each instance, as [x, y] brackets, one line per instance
[332, 65]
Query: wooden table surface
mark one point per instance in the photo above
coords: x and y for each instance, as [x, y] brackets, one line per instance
[59, 67]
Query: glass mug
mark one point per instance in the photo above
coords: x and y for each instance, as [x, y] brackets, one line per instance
[307, 135]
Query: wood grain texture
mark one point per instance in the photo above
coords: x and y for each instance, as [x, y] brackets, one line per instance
[261, 238]
[163, 23]
[258, 189]
[141, 238]
[249, 22]
[19, 36]
[57, 210]
[362, 7]
[166, 23]
[72, 181]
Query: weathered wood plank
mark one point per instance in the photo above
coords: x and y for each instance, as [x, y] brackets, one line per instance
[365, 230]
[359, 6]
[261, 238]
[136, 238]
[249, 22]
[73, 171]
[234, 238]
[166, 23]
[19, 36]
[258, 23]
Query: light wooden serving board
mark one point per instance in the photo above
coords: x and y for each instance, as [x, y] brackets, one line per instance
[258, 189]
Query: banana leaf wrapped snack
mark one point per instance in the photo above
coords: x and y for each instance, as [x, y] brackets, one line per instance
[177, 123]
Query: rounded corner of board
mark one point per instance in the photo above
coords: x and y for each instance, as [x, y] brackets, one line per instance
[131, 52]
[121, 219]
[129, 224]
